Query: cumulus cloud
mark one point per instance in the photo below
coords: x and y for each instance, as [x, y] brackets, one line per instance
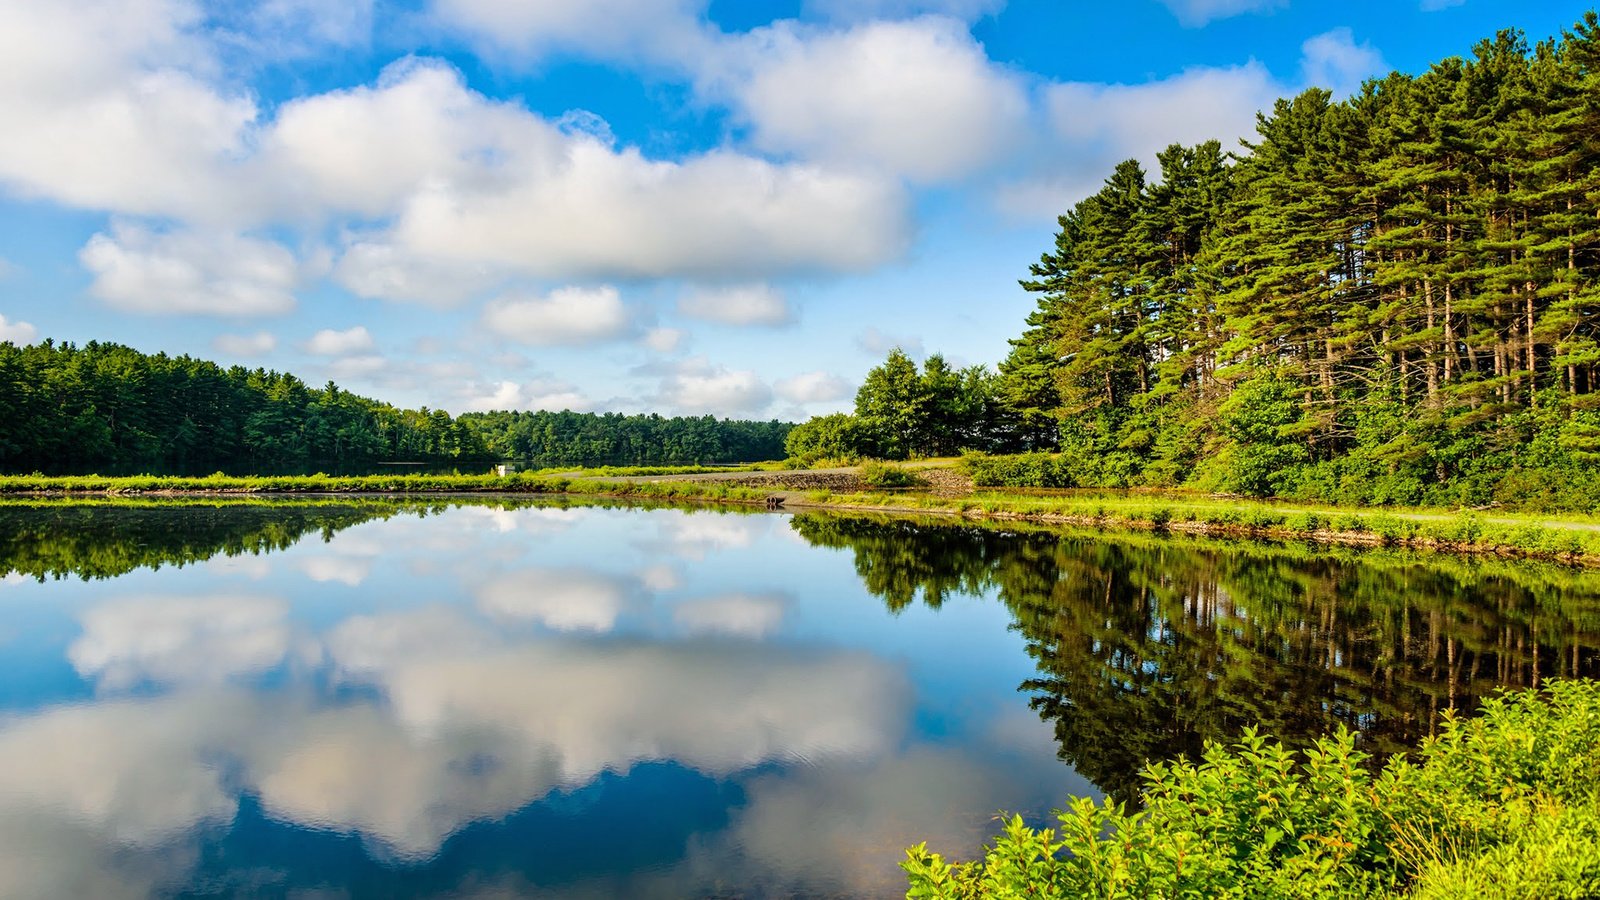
[246, 345]
[540, 393]
[648, 30]
[488, 187]
[291, 28]
[177, 272]
[1334, 60]
[106, 108]
[1197, 13]
[917, 98]
[111, 107]
[17, 332]
[860, 10]
[696, 387]
[739, 304]
[1095, 126]
[813, 387]
[329, 342]
[567, 316]
[381, 271]
[664, 340]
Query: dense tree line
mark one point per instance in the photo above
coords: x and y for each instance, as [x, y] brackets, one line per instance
[570, 438]
[1392, 298]
[902, 411]
[106, 407]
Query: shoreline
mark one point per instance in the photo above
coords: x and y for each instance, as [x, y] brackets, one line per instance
[1569, 542]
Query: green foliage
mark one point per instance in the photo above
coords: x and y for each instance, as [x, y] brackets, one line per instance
[883, 475]
[1503, 805]
[839, 436]
[589, 439]
[1027, 470]
[105, 406]
[1393, 299]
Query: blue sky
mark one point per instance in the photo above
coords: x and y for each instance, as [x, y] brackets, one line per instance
[684, 206]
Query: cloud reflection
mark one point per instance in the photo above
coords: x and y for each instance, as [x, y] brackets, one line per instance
[180, 640]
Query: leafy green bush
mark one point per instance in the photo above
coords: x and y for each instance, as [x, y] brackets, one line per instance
[1033, 470]
[1505, 805]
[883, 475]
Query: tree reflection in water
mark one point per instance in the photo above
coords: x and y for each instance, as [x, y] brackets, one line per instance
[1147, 647]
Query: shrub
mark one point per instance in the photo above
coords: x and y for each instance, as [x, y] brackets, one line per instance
[883, 475]
[1503, 805]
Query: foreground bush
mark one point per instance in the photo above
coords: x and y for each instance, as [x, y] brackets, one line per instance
[1026, 470]
[1505, 805]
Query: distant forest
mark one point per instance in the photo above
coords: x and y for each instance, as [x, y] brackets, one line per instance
[108, 408]
[569, 438]
[1393, 299]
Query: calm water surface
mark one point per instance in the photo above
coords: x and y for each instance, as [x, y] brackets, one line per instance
[538, 699]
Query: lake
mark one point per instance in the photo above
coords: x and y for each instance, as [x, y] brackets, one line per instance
[482, 698]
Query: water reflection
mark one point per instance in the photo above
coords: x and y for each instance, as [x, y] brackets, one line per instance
[505, 700]
[1147, 647]
[533, 698]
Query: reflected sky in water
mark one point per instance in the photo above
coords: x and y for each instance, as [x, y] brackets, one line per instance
[523, 701]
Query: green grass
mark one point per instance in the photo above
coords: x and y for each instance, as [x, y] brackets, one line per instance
[1566, 539]
[1504, 805]
[522, 483]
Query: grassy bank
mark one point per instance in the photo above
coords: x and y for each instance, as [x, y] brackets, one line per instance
[1572, 539]
[401, 485]
[1505, 805]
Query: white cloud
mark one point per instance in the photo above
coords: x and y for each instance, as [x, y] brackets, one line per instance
[641, 30]
[106, 108]
[284, 28]
[207, 273]
[813, 387]
[1335, 61]
[382, 272]
[1095, 126]
[696, 387]
[362, 365]
[664, 340]
[540, 393]
[245, 345]
[863, 10]
[17, 332]
[110, 107]
[328, 342]
[917, 98]
[1197, 13]
[180, 640]
[738, 615]
[567, 316]
[739, 304]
